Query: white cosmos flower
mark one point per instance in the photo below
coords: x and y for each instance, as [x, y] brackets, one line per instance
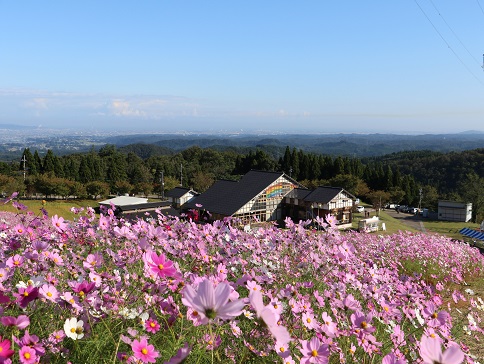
[74, 329]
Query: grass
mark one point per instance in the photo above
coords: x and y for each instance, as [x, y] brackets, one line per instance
[448, 228]
[392, 225]
[53, 207]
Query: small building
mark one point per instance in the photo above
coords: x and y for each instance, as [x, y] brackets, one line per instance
[454, 211]
[257, 197]
[134, 207]
[179, 196]
[303, 204]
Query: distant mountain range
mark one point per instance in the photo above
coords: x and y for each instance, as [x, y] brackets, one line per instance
[358, 145]
[15, 139]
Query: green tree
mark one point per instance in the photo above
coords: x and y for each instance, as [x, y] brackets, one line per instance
[122, 187]
[379, 199]
[472, 190]
[97, 189]
[48, 163]
[201, 181]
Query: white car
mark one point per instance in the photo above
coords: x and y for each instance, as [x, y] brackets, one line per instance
[360, 208]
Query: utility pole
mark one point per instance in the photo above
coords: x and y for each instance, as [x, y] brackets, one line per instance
[24, 160]
[181, 175]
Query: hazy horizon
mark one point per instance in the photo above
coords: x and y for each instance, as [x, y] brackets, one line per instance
[279, 67]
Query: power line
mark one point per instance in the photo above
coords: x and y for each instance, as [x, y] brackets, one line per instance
[478, 3]
[455, 35]
[448, 45]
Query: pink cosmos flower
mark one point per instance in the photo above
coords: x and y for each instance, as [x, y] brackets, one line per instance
[58, 223]
[180, 355]
[269, 317]
[362, 322]
[212, 342]
[20, 322]
[431, 352]
[314, 351]
[143, 351]
[15, 261]
[49, 292]
[93, 261]
[159, 265]
[27, 355]
[393, 359]
[212, 302]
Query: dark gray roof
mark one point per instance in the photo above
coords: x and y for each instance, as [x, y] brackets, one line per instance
[177, 192]
[299, 193]
[325, 194]
[227, 197]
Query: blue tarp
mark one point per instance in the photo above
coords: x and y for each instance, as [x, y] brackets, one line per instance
[471, 233]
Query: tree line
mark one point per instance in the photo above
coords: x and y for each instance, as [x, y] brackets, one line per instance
[411, 178]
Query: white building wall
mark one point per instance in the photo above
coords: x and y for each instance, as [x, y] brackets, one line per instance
[454, 211]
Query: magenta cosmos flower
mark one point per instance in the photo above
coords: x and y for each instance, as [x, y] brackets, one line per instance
[5, 351]
[159, 265]
[431, 352]
[212, 302]
[143, 351]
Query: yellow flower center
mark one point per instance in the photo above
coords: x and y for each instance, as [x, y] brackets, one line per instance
[364, 325]
[16, 262]
[160, 266]
[314, 353]
[144, 351]
[81, 293]
[308, 320]
[210, 342]
[27, 355]
[26, 294]
[434, 315]
[73, 330]
[152, 324]
[281, 349]
[49, 294]
[432, 336]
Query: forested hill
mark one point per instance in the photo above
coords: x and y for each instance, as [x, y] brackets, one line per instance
[445, 171]
[355, 145]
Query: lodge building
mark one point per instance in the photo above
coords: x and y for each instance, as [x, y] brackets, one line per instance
[261, 196]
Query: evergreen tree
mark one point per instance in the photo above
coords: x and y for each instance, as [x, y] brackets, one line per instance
[48, 163]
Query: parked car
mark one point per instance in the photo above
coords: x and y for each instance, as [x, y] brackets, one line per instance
[413, 210]
[360, 208]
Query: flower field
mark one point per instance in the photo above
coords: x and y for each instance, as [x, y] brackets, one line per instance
[97, 289]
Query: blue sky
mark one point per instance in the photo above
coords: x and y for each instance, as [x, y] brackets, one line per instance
[278, 66]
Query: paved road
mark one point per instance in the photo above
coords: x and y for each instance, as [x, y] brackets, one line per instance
[414, 221]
